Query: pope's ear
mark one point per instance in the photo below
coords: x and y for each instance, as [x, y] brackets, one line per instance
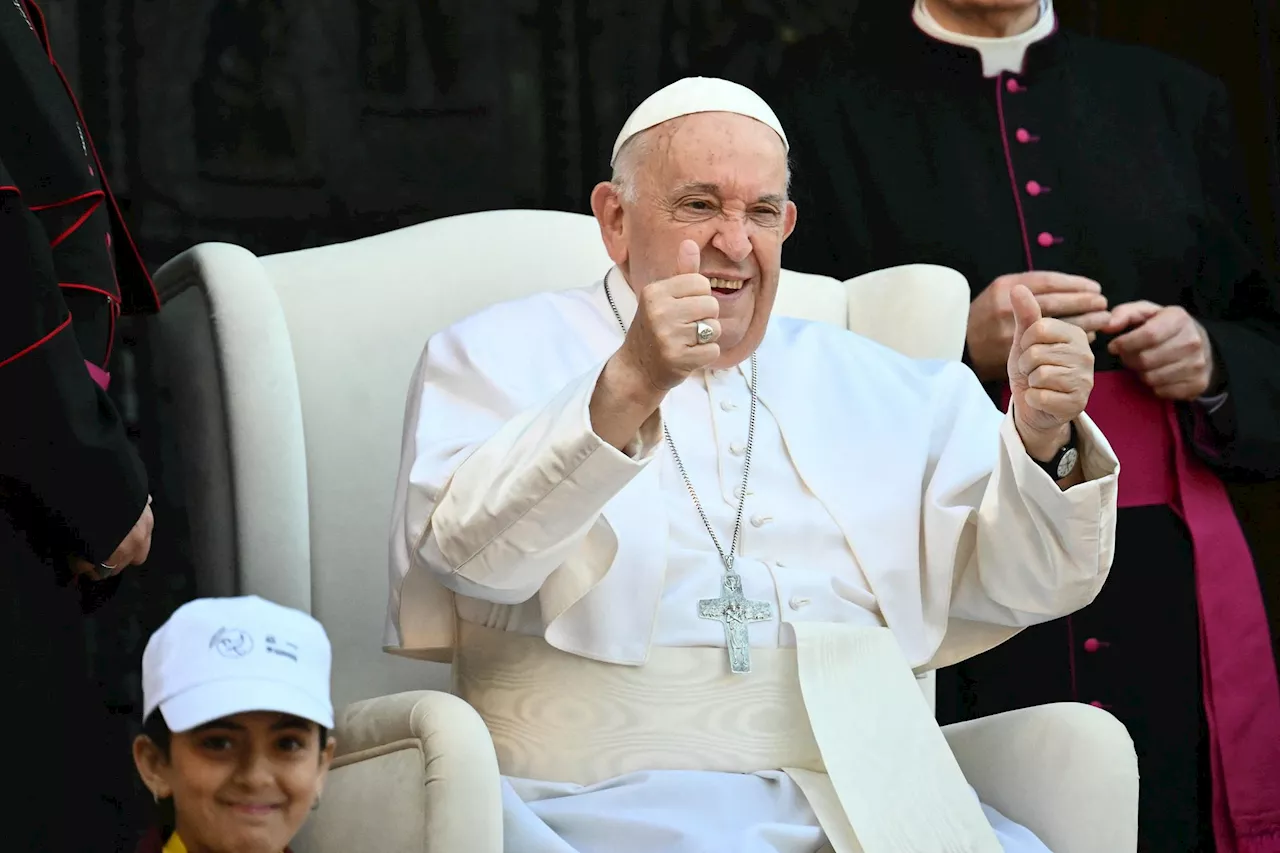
[789, 216]
[606, 204]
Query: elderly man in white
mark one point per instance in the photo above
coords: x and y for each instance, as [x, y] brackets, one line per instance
[578, 466]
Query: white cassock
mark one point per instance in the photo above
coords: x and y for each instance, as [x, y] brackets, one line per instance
[871, 501]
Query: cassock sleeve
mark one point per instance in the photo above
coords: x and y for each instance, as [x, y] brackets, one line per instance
[1025, 550]
[502, 489]
[1239, 305]
[69, 477]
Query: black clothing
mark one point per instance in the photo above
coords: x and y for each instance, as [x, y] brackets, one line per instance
[1116, 163]
[70, 482]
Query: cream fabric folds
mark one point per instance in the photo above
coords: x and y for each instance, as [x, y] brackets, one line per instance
[562, 718]
[898, 787]
[509, 500]
[841, 714]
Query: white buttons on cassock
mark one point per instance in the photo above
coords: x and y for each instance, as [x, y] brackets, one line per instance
[728, 405]
[798, 601]
[737, 448]
[760, 520]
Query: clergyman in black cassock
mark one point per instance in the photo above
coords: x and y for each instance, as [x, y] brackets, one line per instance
[71, 485]
[1117, 164]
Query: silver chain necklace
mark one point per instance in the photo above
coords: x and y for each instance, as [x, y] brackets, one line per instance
[733, 609]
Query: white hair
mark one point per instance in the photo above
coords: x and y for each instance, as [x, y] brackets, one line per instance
[631, 156]
[626, 166]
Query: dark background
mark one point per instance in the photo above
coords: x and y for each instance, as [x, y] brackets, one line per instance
[282, 124]
[279, 124]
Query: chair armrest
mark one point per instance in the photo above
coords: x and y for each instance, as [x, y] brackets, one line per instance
[1068, 772]
[413, 772]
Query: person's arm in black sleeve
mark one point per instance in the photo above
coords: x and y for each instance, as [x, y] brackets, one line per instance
[68, 474]
[1239, 306]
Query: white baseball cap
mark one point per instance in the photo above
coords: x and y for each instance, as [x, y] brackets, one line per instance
[216, 657]
[697, 95]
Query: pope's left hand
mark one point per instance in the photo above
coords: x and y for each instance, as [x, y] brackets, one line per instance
[1050, 375]
[1168, 350]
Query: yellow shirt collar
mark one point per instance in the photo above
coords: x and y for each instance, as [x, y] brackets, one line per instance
[174, 845]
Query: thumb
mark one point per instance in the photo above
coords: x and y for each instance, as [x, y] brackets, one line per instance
[1026, 311]
[690, 258]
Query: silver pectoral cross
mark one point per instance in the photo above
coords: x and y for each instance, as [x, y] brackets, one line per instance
[735, 610]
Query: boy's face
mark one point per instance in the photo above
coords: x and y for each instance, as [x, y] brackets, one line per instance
[244, 783]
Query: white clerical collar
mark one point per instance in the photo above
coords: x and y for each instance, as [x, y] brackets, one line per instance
[998, 54]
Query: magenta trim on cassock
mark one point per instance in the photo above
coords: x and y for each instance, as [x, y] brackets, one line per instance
[100, 377]
[1240, 690]
[1013, 178]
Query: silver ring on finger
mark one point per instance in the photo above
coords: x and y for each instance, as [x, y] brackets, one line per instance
[703, 332]
[102, 571]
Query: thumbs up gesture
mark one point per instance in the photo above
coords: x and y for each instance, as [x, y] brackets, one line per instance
[660, 350]
[1050, 375]
[662, 344]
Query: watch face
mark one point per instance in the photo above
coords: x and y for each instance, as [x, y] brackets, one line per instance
[1067, 463]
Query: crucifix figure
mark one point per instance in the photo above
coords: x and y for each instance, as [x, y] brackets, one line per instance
[735, 610]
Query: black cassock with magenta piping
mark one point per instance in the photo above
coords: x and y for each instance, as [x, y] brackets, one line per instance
[71, 485]
[1119, 164]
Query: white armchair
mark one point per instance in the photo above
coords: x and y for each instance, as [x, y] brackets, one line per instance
[287, 376]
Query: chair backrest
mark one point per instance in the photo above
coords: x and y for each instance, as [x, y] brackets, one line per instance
[288, 376]
[920, 310]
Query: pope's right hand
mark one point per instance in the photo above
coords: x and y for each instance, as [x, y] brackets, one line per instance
[1075, 299]
[661, 348]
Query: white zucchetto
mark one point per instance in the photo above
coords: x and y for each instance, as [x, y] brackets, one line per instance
[697, 95]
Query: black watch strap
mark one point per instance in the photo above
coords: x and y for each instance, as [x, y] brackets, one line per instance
[1064, 461]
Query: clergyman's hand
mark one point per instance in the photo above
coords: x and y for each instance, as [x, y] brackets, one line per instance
[1168, 349]
[1050, 376]
[133, 551]
[1075, 299]
[662, 344]
[661, 349]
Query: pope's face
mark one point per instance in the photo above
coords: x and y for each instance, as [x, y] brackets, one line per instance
[720, 180]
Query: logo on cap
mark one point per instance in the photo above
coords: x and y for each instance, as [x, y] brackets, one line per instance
[231, 643]
[284, 650]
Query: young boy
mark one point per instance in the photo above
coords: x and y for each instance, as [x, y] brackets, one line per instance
[236, 741]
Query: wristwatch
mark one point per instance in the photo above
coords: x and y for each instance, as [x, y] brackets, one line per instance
[1064, 461]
